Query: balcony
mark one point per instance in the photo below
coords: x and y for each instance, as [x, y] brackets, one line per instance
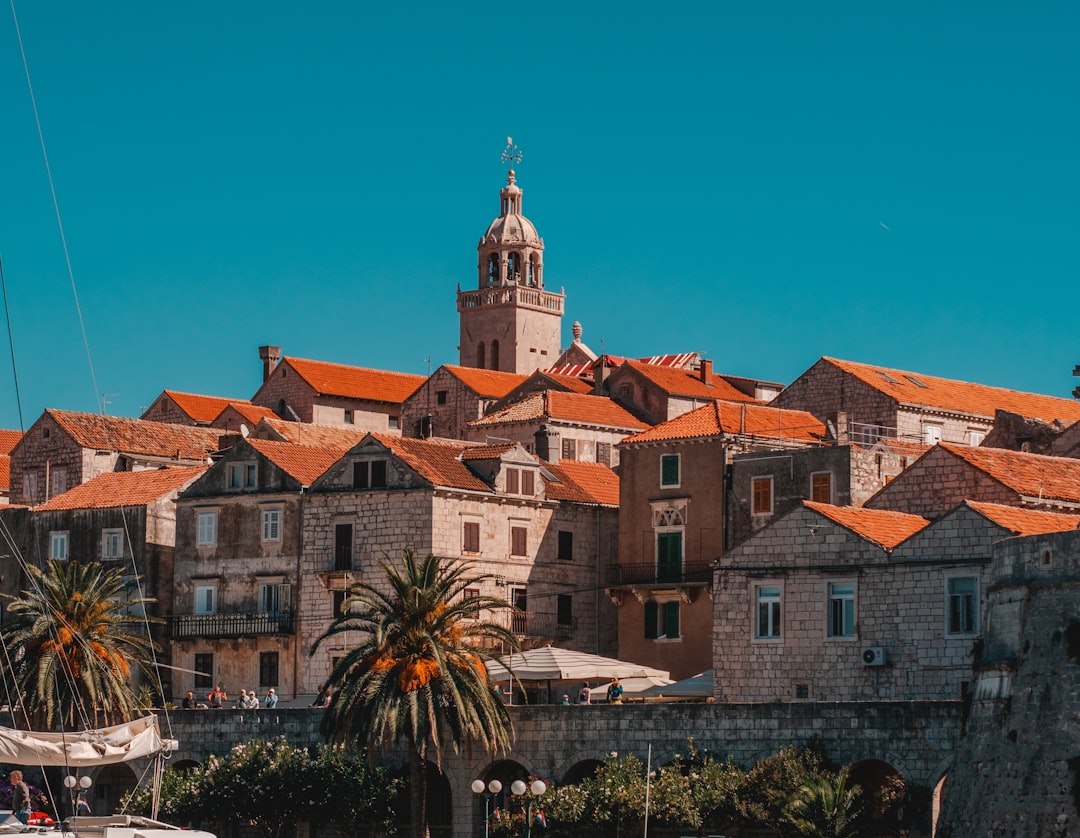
[237, 624]
[542, 624]
[650, 573]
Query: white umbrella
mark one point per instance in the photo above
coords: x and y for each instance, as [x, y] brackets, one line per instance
[550, 663]
[634, 687]
[698, 686]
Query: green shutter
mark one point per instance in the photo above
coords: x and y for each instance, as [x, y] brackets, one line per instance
[669, 557]
[650, 620]
[669, 470]
[671, 620]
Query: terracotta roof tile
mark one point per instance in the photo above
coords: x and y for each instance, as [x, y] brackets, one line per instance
[568, 407]
[571, 370]
[1026, 521]
[900, 446]
[487, 383]
[437, 462]
[137, 436]
[749, 418]
[574, 383]
[1031, 475]
[581, 482]
[680, 382]
[252, 413]
[8, 440]
[302, 433]
[304, 462]
[915, 388]
[198, 407]
[880, 526]
[486, 452]
[5, 471]
[124, 488]
[356, 382]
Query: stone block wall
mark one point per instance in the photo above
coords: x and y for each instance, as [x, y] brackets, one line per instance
[938, 482]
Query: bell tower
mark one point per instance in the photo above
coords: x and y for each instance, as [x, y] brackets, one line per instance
[510, 323]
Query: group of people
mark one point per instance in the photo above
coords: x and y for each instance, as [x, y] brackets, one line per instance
[585, 694]
[217, 699]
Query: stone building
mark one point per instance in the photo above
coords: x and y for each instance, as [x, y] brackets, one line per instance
[443, 406]
[510, 322]
[558, 425]
[658, 393]
[239, 537]
[8, 439]
[63, 449]
[878, 402]
[842, 604]
[672, 524]
[541, 532]
[187, 408]
[949, 474]
[323, 393]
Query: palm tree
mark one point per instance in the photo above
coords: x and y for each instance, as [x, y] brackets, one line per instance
[71, 643]
[825, 806]
[418, 670]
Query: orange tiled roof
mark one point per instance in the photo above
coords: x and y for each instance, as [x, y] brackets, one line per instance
[8, 440]
[1025, 521]
[880, 526]
[356, 382]
[304, 462]
[5, 471]
[490, 384]
[486, 452]
[959, 396]
[302, 433]
[574, 383]
[571, 370]
[437, 462]
[252, 413]
[581, 482]
[137, 436]
[124, 488]
[568, 407]
[902, 447]
[200, 408]
[750, 418]
[680, 360]
[681, 382]
[1032, 475]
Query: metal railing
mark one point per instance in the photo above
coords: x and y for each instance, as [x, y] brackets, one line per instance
[235, 624]
[650, 573]
[542, 624]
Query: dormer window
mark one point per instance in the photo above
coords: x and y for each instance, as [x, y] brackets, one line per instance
[520, 481]
[240, 477]
[370, 474]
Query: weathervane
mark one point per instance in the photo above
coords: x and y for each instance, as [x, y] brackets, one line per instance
[511, 154]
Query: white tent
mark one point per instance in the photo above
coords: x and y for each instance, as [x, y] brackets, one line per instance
[697, 687]
[562, 669]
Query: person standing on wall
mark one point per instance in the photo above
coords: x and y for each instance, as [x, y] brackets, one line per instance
[614, 692]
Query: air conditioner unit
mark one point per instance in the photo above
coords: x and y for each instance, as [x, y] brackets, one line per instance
[873, 656]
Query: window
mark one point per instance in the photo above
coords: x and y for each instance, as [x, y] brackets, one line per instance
[976, 437]
[821, 487]
[603, 453]
[564, 610]
[393, 422]
[440, 397]
[112, 544]
[58, 546]
[338, 603]
[513, 481]
[207, 534]
[30, 487]
[240, 476]
[470, 537]
[58, 482]
[669, 556]
[569, 449]
[369, 474]
[669, 470]
[566, 546]
[963, 605]
[931, 434]
[349, 417]
[274, 597]
[271, 525]
[206, 599]
[528, 482]
[470, 593]
[767, 621]
[204, 671]
[661, 620]
[761, 500]
[343, 542]
[519, 538]
[268, 669]
[519, 620]
[841, 609]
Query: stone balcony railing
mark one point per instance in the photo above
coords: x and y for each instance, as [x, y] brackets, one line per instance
[230, 624]
[521, 295]
[649, 573]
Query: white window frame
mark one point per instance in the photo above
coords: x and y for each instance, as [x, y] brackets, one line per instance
[772, 495]
[271, 524]
[57, 482]
[976, 436]
[206, 527]
[850, 601]
[932, 433]
[241, 476]
[949, 595]
[276, 594]
[776, 611]
[678, 464]
[112, 543]
[59, 545]
[205, 599]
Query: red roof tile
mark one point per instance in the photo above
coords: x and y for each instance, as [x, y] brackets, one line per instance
[581, 482]
[880, 526]
[1026, 521]
[568, 407]
[252, 413]
[5, 471]
[124, 488]
[8, 440]
[681, 382]
[486, 452]
[137, 436]
[574, 383]
[490, 384]
[304, 462]
[437, 462]
[356, 382]
[741, 418]
[1031, 475]
[915, 388]
[200, 408]
[302, 433]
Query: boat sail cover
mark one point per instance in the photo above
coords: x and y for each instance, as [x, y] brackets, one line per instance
[119, 743]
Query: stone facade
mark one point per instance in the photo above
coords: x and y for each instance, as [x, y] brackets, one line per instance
[443, 405]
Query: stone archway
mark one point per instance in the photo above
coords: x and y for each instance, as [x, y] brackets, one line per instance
[884, 792]
[110, 786]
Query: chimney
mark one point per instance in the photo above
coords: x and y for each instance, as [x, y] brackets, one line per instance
[270, 357]
[599, 375]
[547, 444]
[705, 368]
[837, 425]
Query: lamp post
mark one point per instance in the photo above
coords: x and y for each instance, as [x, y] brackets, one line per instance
[77, 786]
[536, 789]
[489, 791]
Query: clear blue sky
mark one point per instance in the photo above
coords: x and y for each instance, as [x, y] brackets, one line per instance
[895, 183]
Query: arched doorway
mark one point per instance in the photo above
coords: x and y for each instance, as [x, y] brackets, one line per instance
[440, 809]
[885, 793]
[581, 771]
[110, 786]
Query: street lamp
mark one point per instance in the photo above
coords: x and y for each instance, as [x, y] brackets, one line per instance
[536, 789]
[489, 791]
[77, 786]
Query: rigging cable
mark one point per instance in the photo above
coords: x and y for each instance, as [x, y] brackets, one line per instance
[11, 344]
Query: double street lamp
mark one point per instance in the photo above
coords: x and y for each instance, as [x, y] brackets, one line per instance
[489, 791]
[529, 794]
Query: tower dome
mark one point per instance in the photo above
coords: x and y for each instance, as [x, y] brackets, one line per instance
[511, 251]
[511, 227]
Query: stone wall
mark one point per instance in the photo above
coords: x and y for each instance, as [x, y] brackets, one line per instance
[52, 460]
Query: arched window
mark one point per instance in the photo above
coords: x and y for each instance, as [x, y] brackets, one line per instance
[513, 268]
[480, 355]
[493, 269]
[494, 355]
[534, 271]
